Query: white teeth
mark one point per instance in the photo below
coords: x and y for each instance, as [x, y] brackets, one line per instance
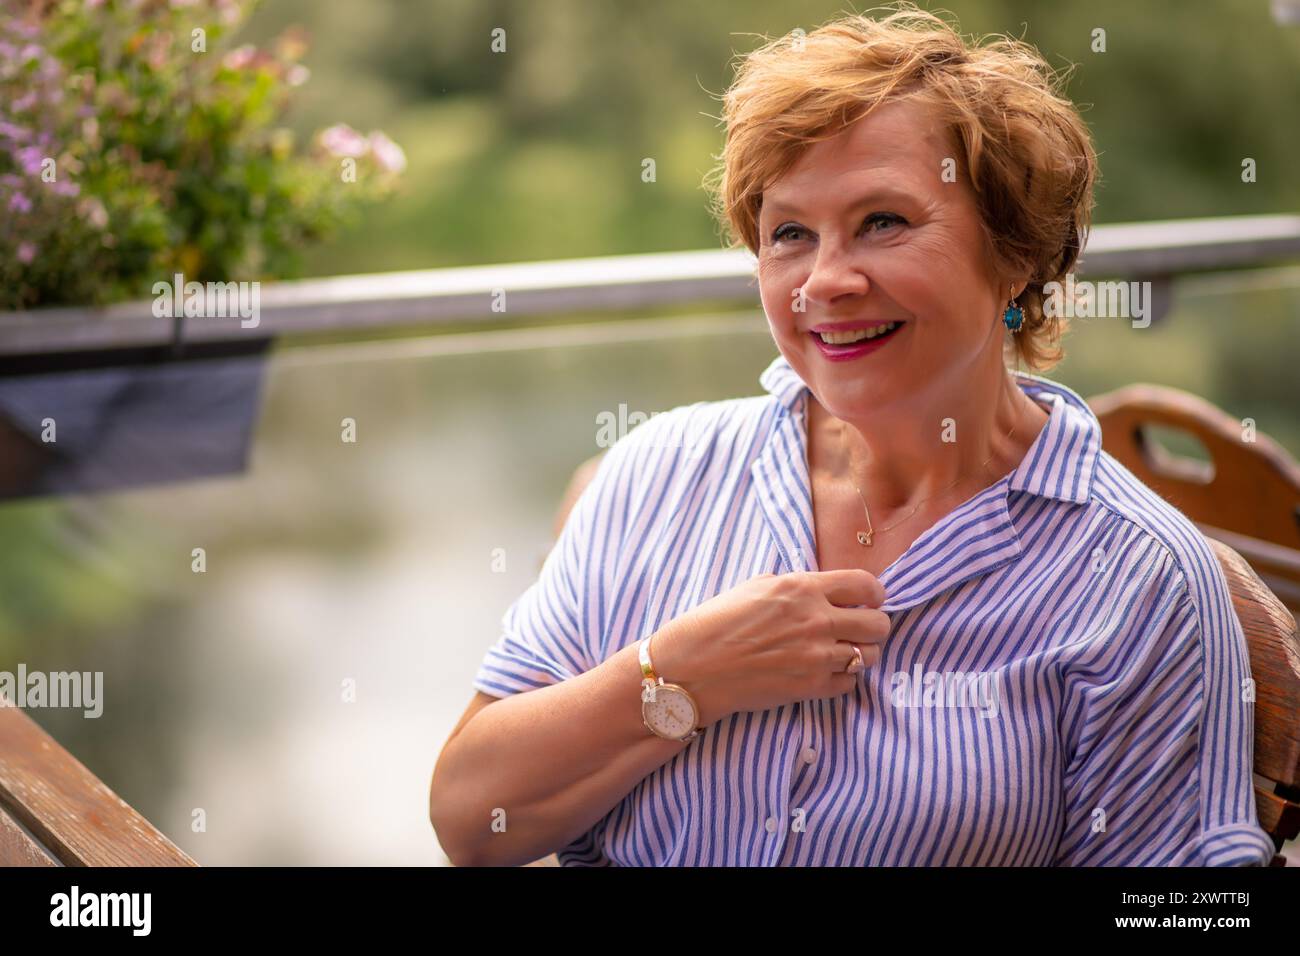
[845, 338]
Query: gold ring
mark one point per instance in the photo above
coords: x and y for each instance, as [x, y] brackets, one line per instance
[856, 664]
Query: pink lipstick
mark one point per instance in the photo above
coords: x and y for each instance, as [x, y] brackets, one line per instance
[846, 353]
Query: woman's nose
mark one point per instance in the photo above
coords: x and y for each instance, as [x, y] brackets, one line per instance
[834, 273]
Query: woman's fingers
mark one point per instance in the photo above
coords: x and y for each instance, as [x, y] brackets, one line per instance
[850, 658]
[850, 587]
[846, 658]
[859, 625]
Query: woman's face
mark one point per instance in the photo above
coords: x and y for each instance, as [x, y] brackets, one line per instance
[869, 226]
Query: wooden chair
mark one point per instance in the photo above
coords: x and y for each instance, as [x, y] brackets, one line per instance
[1246, 501]
[53, 811]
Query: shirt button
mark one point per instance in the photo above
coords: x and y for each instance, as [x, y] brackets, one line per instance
[809, 755]
[771, 824]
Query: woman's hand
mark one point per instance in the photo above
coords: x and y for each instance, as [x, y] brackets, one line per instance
[773, 640]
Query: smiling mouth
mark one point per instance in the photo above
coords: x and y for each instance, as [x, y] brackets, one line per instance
[858, 335]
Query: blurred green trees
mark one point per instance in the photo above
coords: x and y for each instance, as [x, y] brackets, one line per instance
[536, 152]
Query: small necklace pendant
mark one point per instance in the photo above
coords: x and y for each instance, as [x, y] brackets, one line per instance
[864, 538]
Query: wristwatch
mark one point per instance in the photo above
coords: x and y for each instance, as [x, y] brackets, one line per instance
[667, 710]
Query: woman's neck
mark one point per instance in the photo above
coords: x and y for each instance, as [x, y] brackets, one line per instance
[905, 454]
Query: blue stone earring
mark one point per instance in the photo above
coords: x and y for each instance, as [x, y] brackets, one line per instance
[1014, 316]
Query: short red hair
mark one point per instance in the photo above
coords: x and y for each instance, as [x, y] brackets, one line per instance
[1020, 144]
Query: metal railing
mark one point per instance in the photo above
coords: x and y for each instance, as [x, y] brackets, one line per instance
[495, 294]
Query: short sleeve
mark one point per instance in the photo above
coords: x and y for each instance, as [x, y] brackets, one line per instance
[549, 633]
[1158, 733]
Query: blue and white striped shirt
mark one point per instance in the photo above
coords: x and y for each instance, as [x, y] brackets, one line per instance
[1064, 683]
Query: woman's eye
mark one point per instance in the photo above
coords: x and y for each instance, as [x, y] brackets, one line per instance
[885, 219]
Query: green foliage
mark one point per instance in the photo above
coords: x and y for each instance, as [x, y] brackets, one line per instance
[1183, 92]
[132, 147]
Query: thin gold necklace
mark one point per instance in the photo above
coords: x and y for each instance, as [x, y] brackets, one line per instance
[864, 537]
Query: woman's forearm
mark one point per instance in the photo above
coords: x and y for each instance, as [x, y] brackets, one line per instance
[535, 770]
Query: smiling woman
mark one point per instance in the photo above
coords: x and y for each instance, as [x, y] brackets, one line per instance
[902, 274]
[707, 669]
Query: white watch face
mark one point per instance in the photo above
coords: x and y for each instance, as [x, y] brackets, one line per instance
[670, 714]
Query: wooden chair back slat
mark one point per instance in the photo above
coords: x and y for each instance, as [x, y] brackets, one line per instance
[1277, 567]
[1254, 488]
[1271, 637]
[1279, 817]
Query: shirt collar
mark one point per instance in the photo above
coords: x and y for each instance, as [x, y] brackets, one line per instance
[1060, 463]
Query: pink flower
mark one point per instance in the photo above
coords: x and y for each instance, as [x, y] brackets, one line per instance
[228, 11]
[93, 211]
[26, 253]
[387, 154]
[19, 203]
[297, 75]
[343, 140]
[157, 50]
[240, 57]
[30, 160]
[291, 45]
